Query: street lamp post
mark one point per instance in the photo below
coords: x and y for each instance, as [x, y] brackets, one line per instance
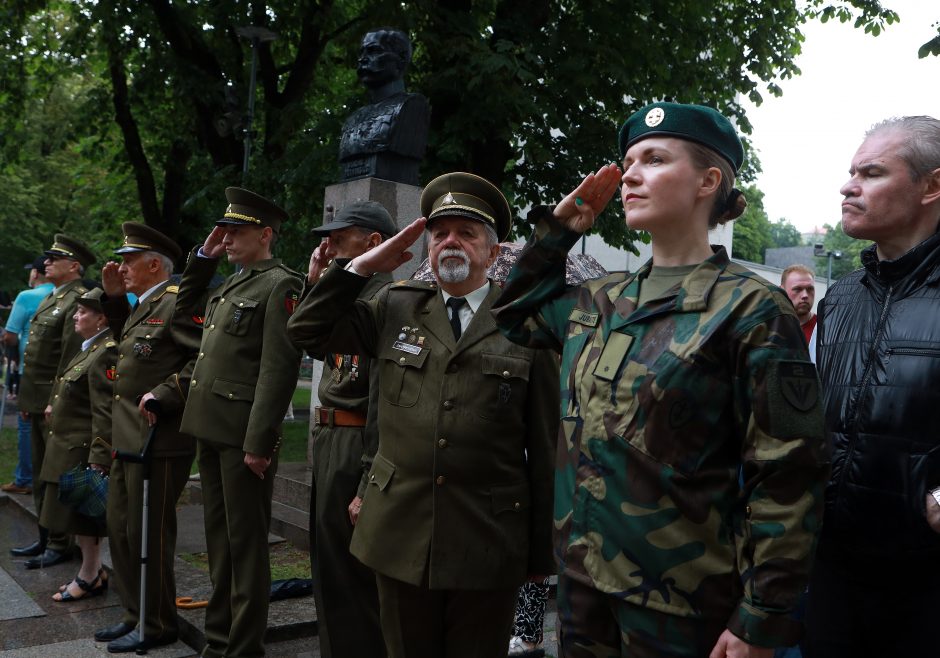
[820, 250]
[256, 35]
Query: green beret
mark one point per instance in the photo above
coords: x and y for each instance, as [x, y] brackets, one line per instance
[365, 214]
[140, 237]
[460, 194]
[92, 300]
[695, 123]
[67, 247]
[247, 208]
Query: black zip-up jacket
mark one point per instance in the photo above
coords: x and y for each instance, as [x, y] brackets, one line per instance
[878, 353]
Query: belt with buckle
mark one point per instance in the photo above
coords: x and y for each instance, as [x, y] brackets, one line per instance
[332, 417]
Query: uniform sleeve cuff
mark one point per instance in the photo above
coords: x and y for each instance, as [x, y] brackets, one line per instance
[764, 628]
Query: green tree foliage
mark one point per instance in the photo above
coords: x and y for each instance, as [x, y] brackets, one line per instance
[837, 241]
[752, 230]
[132, 109]
[785, 234]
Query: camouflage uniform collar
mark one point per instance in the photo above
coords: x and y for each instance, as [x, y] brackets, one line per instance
[697, 285]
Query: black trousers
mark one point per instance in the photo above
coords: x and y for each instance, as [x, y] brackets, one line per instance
[875, 611]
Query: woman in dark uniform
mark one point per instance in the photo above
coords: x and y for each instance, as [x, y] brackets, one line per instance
[80, 432]
[691, 462]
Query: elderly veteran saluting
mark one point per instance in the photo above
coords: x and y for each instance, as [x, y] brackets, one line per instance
[457, 512]
[239, 392]
[344, 445]
[689, 486]
[147, 391]
[52, 344]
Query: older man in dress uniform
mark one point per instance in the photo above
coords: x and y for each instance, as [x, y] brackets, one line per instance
[147, 396]
[343, 448]
[457, 512]
[52, 344]
[241, 387]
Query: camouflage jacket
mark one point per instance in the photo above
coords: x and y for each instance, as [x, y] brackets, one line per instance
[691, 460]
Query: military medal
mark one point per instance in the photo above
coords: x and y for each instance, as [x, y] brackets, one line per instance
[143, 350]
[237, 316]
[354, 368]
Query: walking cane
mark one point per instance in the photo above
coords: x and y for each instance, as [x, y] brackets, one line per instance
[144, 459]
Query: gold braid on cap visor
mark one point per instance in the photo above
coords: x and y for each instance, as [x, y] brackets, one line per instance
[136, 245]
[62, 250]
[245, 218]
[441, 210]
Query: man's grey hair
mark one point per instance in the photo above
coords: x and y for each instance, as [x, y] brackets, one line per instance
[921, 147]
[165, 261]
[491, 237]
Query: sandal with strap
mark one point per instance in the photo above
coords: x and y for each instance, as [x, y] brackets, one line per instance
[102, 574]
[88, 590]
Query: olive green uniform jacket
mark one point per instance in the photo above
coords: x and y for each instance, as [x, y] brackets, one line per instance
[693, 466]
[460, 491]
[246, 371]
[52, 344]
[79, 430]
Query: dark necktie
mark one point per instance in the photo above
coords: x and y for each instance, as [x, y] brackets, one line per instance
[455, 304]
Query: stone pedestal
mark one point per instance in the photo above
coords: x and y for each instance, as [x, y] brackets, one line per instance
[403, 204]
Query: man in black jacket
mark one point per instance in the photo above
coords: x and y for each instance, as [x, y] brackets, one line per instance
[875, 588]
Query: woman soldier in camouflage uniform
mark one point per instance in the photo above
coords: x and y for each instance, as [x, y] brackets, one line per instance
[691, 460]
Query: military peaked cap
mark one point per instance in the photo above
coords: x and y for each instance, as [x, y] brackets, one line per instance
[66, 247]
[696, 123]
[247, 208]
[365, 214]
[92, 299]
[460, 194]
[140, 237]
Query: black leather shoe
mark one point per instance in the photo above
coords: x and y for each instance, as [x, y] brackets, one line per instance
[28, 551]
[47, 558]
[131, 642]
[113, 632]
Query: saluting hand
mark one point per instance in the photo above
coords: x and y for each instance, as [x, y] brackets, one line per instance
[391, 253]
[213, 247]
[112, 282]
[318, 261]
[578, 210]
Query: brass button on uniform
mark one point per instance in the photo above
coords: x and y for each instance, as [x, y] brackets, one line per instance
[448, 405]
[517, 506]
[440, 480]
[442, 443]
[117, 397]
[402, 360]
[505, 374]
[230, 396]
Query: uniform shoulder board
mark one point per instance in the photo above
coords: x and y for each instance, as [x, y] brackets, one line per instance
[173, 289]
[412, 284]
[81, 290]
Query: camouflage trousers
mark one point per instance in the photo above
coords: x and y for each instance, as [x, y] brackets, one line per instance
[593, 624]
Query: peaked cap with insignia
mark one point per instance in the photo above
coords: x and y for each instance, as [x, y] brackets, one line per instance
[92, 300]
[459, 194]
[140, 237]
[245, 208]
[68, 247]
[696, 123]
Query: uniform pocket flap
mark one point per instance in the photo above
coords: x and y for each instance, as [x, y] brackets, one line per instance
[233, 390]
[510, 498]
[382, 472]
[242, 302]
[406, 355]
[505, 366]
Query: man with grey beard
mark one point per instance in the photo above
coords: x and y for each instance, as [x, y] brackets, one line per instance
[457, 512]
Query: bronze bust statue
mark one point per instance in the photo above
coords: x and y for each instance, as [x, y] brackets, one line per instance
[385, 139]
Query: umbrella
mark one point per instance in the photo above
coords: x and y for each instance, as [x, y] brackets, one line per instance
[580, 267]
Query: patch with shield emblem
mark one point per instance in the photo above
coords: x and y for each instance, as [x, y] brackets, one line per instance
[143, 350]
[798, 384]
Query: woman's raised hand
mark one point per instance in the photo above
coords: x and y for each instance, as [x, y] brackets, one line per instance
[578, 210]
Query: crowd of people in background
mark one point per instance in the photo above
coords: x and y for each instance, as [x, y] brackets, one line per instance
[661, 440]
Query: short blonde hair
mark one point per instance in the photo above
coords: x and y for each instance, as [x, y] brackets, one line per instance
[795, 268]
